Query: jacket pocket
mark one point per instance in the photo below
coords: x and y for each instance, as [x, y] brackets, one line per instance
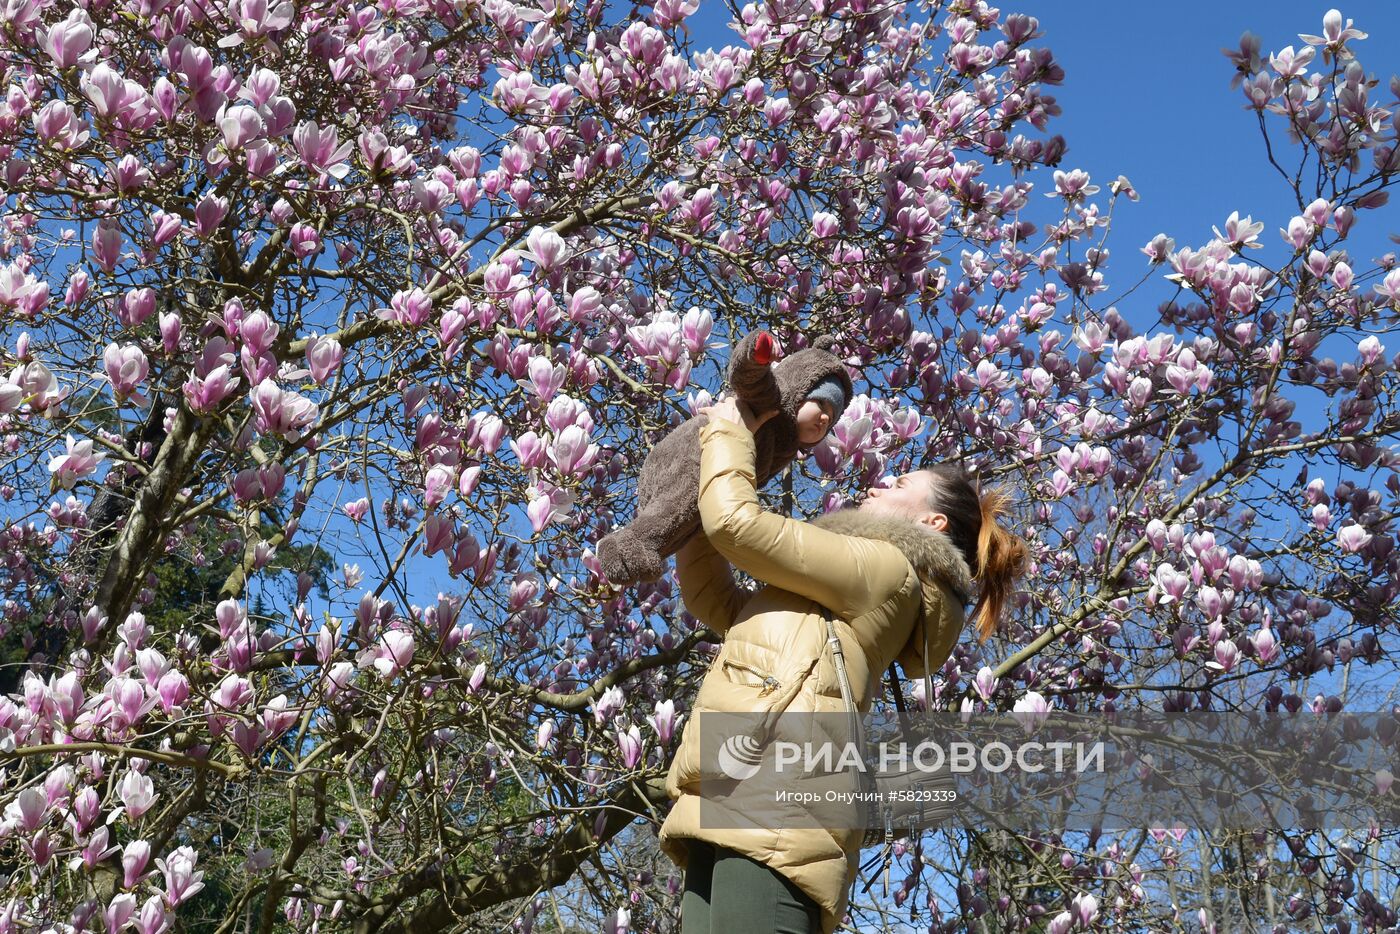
[749, 676]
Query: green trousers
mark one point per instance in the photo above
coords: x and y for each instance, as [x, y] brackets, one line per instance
[728, 893]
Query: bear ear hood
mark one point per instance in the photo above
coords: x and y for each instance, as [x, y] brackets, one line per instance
[932, 553]
[798, 373]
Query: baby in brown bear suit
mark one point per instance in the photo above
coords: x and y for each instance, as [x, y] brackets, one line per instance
[810, 389]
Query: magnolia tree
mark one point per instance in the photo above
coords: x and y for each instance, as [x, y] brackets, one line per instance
[333, 337]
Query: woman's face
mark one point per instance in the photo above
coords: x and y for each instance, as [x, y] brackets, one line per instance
[907, 497]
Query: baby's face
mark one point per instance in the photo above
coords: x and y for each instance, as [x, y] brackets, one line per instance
[813, 422]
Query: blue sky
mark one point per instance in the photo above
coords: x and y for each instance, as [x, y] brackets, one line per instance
[1156, 104]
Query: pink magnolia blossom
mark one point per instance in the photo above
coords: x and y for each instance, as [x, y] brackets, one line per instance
[396, 649]
[247, 737]
[324, 356]
[258, 332]
[985, 683]
[133, 629]
[95, 850]
[59, 125]
[547, 504]
[137, 793]
[182, 881]
[1265, 647]
[519, 94]
[240, 125]
[126, 368]
[128, 175]
[547, 248]
[164, 228]
[26, 812]
[438, 533]
[1240, 232]
[321, 150]
[356, 509]
[37, 386]
[664, 721]
[1353, 538]
[277, 717]
[327, 638]
[11, 396]
[136, 306]
[22, 292]
[119, 911]
[477, 678]
[1335, 35]
[564, 411]
[303, 241]
[491, 432]
[153, 918]
[134, 859]
[173, 690]
[67, 40]
[87, 808]
[546, 377]
[106, 245]
[1085, 908]
[1227, 653]
[437, 484]
[258, 18]
[465, 554]
[78, 462]
[530, 450]
[77, 289]
[571, 453]
[205, 394]
[338, 679]
[585, 302]
[118, 98]
[1170, 584]
[629, 745]
[209, 213]
[608, 704]
[282, 412]
[1031, 710]
[233, 692]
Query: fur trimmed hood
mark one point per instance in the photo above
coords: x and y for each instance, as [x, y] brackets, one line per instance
[931, 552]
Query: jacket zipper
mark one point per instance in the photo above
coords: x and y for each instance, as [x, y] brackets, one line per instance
[770, 683]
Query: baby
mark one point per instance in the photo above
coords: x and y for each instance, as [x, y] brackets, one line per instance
[810, 389]
[820, 410]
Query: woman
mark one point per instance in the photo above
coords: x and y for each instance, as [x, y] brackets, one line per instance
[905, 549]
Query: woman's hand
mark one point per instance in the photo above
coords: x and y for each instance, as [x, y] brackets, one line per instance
[738, 412]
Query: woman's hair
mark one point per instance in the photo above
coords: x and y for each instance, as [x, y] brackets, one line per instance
[995, 556]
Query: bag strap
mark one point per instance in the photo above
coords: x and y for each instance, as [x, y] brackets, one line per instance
[839, 658]
[853, 713]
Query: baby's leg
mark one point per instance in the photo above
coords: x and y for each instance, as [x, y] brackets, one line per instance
[638, 551]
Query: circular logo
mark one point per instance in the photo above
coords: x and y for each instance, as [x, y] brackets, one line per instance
[739, 757]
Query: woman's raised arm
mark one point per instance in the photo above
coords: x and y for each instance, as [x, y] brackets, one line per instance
[847, 574]
[707, 584]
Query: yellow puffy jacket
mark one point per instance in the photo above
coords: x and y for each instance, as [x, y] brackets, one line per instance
[872, 572]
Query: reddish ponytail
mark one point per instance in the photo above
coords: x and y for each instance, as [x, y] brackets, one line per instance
[995, 556]
[1001, 559]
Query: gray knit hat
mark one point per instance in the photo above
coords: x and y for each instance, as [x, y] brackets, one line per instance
[831, 391]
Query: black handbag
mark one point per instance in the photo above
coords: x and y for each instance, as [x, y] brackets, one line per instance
[899, 802]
